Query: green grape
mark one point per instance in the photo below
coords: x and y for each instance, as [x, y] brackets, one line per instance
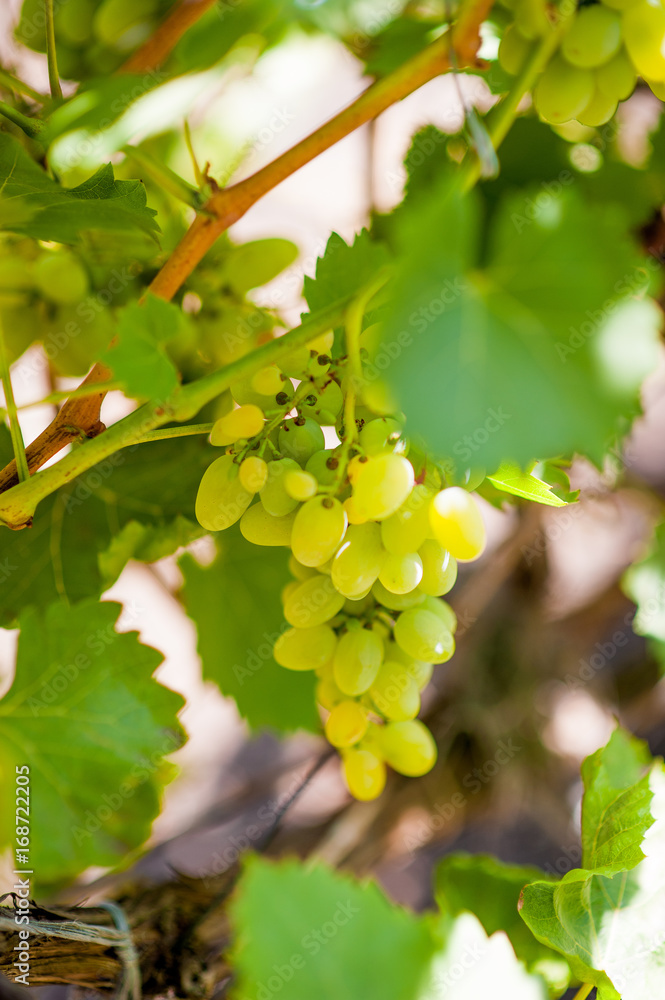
[296, 363]
[261, 528]
[599, 109]
[382, 484]
[409, 747]
[324, 403]
[300, 438]
[305, 648]
[267, 381]
[323, 465]
[318, 530]
[73, 22]
[354, 514]
[60, 277]
[358, 560]
[513, 50]
[381, 435]
[300, 485]
[617, 78]
[395, 692]
[244, 393]
[312, 602]
[358, 608]
[531, 18]
[288, 590]
[401, 574]
[378, 398]
[562, 91]
[406, 529]
[419, 669]
[346, 724]
[456, 523]
[439, 569]
[594, 37]
[397, 602]
[621, 4]
[274, 497]
[328, 694]
[423, 635]
[221, 499]
[657, 88]
[115, 17]
[243, 422]
[365, 774]
[443, 610]
[297, 569]
[15, 274]
[644, 37]
[357, 659]
[253, 473]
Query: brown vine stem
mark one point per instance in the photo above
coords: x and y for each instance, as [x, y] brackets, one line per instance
[226, 206]
[161, 43]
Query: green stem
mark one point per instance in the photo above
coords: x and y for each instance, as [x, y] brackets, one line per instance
[31, 126]
[11, 82]
[583, 991]
[53, 78]
[166, 433]
[14, 426]
[18, 504]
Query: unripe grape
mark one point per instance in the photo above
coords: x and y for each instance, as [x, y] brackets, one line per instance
[439, 569]
[60, 277]
[401, 574]
[644, 37]
[358, 561]
[443, 611]
[406, 529]
[353, 469]
[305, 648]
[300, 439]
[328, 694]
[267, 381]
[531, 19]
[346, 724]
[563, 91]
[617, 78]
[221, 499]
[365, 774]
[397, 602]
[261, 528]
[382, 485]
[377, 397]
[297, 569]
[409, 747]
[244, 393]
[419, 669]
[395, 692]
[323, 466]
[379, 436]
[253, 473]
[318, 530]
[354, 515]
[357, 660]
[287, 590]
[513, 50]
[323, 344]
[594, 37]
[599, 109]
[300, 485]
[274, 497]
[423, 635]
[324, 403]
[456, 523]
[243, 422]
[312, 602]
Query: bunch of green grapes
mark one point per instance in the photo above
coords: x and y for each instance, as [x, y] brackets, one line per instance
[607, 45]
[92, 38]
[375, 536]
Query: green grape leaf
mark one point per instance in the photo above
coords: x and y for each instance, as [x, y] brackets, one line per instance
[320, 934]
[86, 716]
[608, 919]
[491, 890]
[80, 535]
[344, 270]
[644, 583]
[471, 964]
[493, 363]
[509, 478]
[137, 357]
[235, 605]
[251, 265]
[33, 204]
